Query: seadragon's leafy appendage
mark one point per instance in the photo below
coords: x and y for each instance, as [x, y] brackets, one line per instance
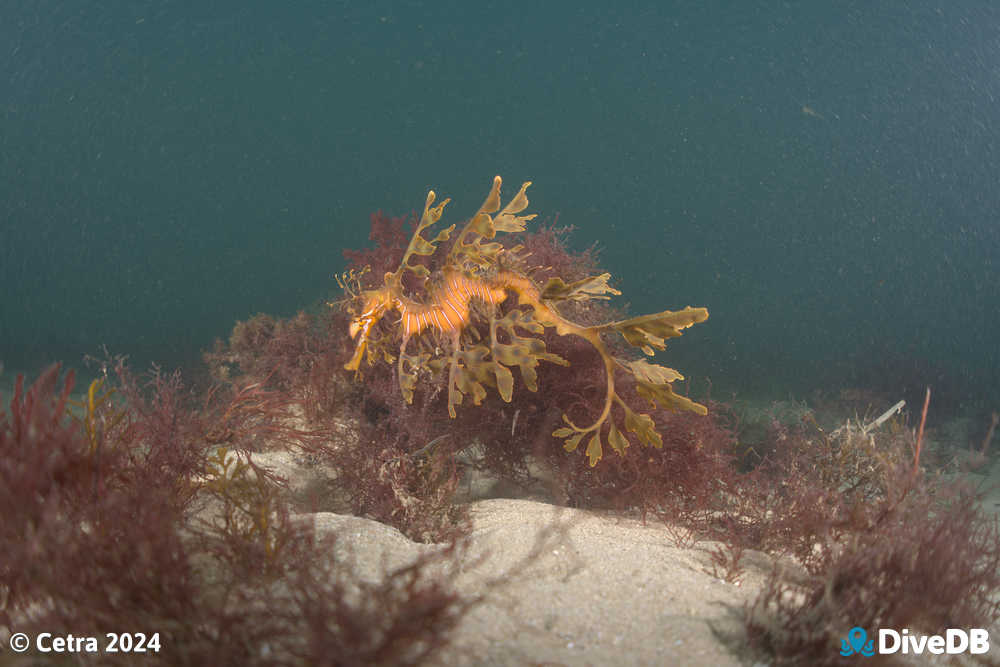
[476, 278]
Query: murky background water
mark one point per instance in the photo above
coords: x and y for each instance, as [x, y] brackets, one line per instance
[822, 178]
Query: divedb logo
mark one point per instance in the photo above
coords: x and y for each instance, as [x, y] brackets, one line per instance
[955, 640]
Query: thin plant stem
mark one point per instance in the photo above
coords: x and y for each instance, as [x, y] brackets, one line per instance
[920, 432]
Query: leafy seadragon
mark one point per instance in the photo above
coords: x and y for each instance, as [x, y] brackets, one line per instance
[478, 275]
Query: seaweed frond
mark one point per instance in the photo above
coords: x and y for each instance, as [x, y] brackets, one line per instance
[99, 417]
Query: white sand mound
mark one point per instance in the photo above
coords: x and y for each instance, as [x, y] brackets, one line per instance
[571, 587]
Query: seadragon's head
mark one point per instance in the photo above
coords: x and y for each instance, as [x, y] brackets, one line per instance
[376, 303]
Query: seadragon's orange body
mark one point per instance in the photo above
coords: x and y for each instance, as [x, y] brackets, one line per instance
[478, 275]
[447, 309]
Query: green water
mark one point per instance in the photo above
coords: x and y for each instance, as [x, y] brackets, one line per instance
[822, 178]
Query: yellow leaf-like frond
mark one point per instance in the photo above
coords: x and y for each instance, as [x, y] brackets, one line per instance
[594, 287]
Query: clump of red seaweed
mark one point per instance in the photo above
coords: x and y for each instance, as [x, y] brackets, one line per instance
[129, 515]
[868, 531]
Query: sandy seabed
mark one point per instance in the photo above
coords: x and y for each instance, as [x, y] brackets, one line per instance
[564, 586]
[571, 587]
